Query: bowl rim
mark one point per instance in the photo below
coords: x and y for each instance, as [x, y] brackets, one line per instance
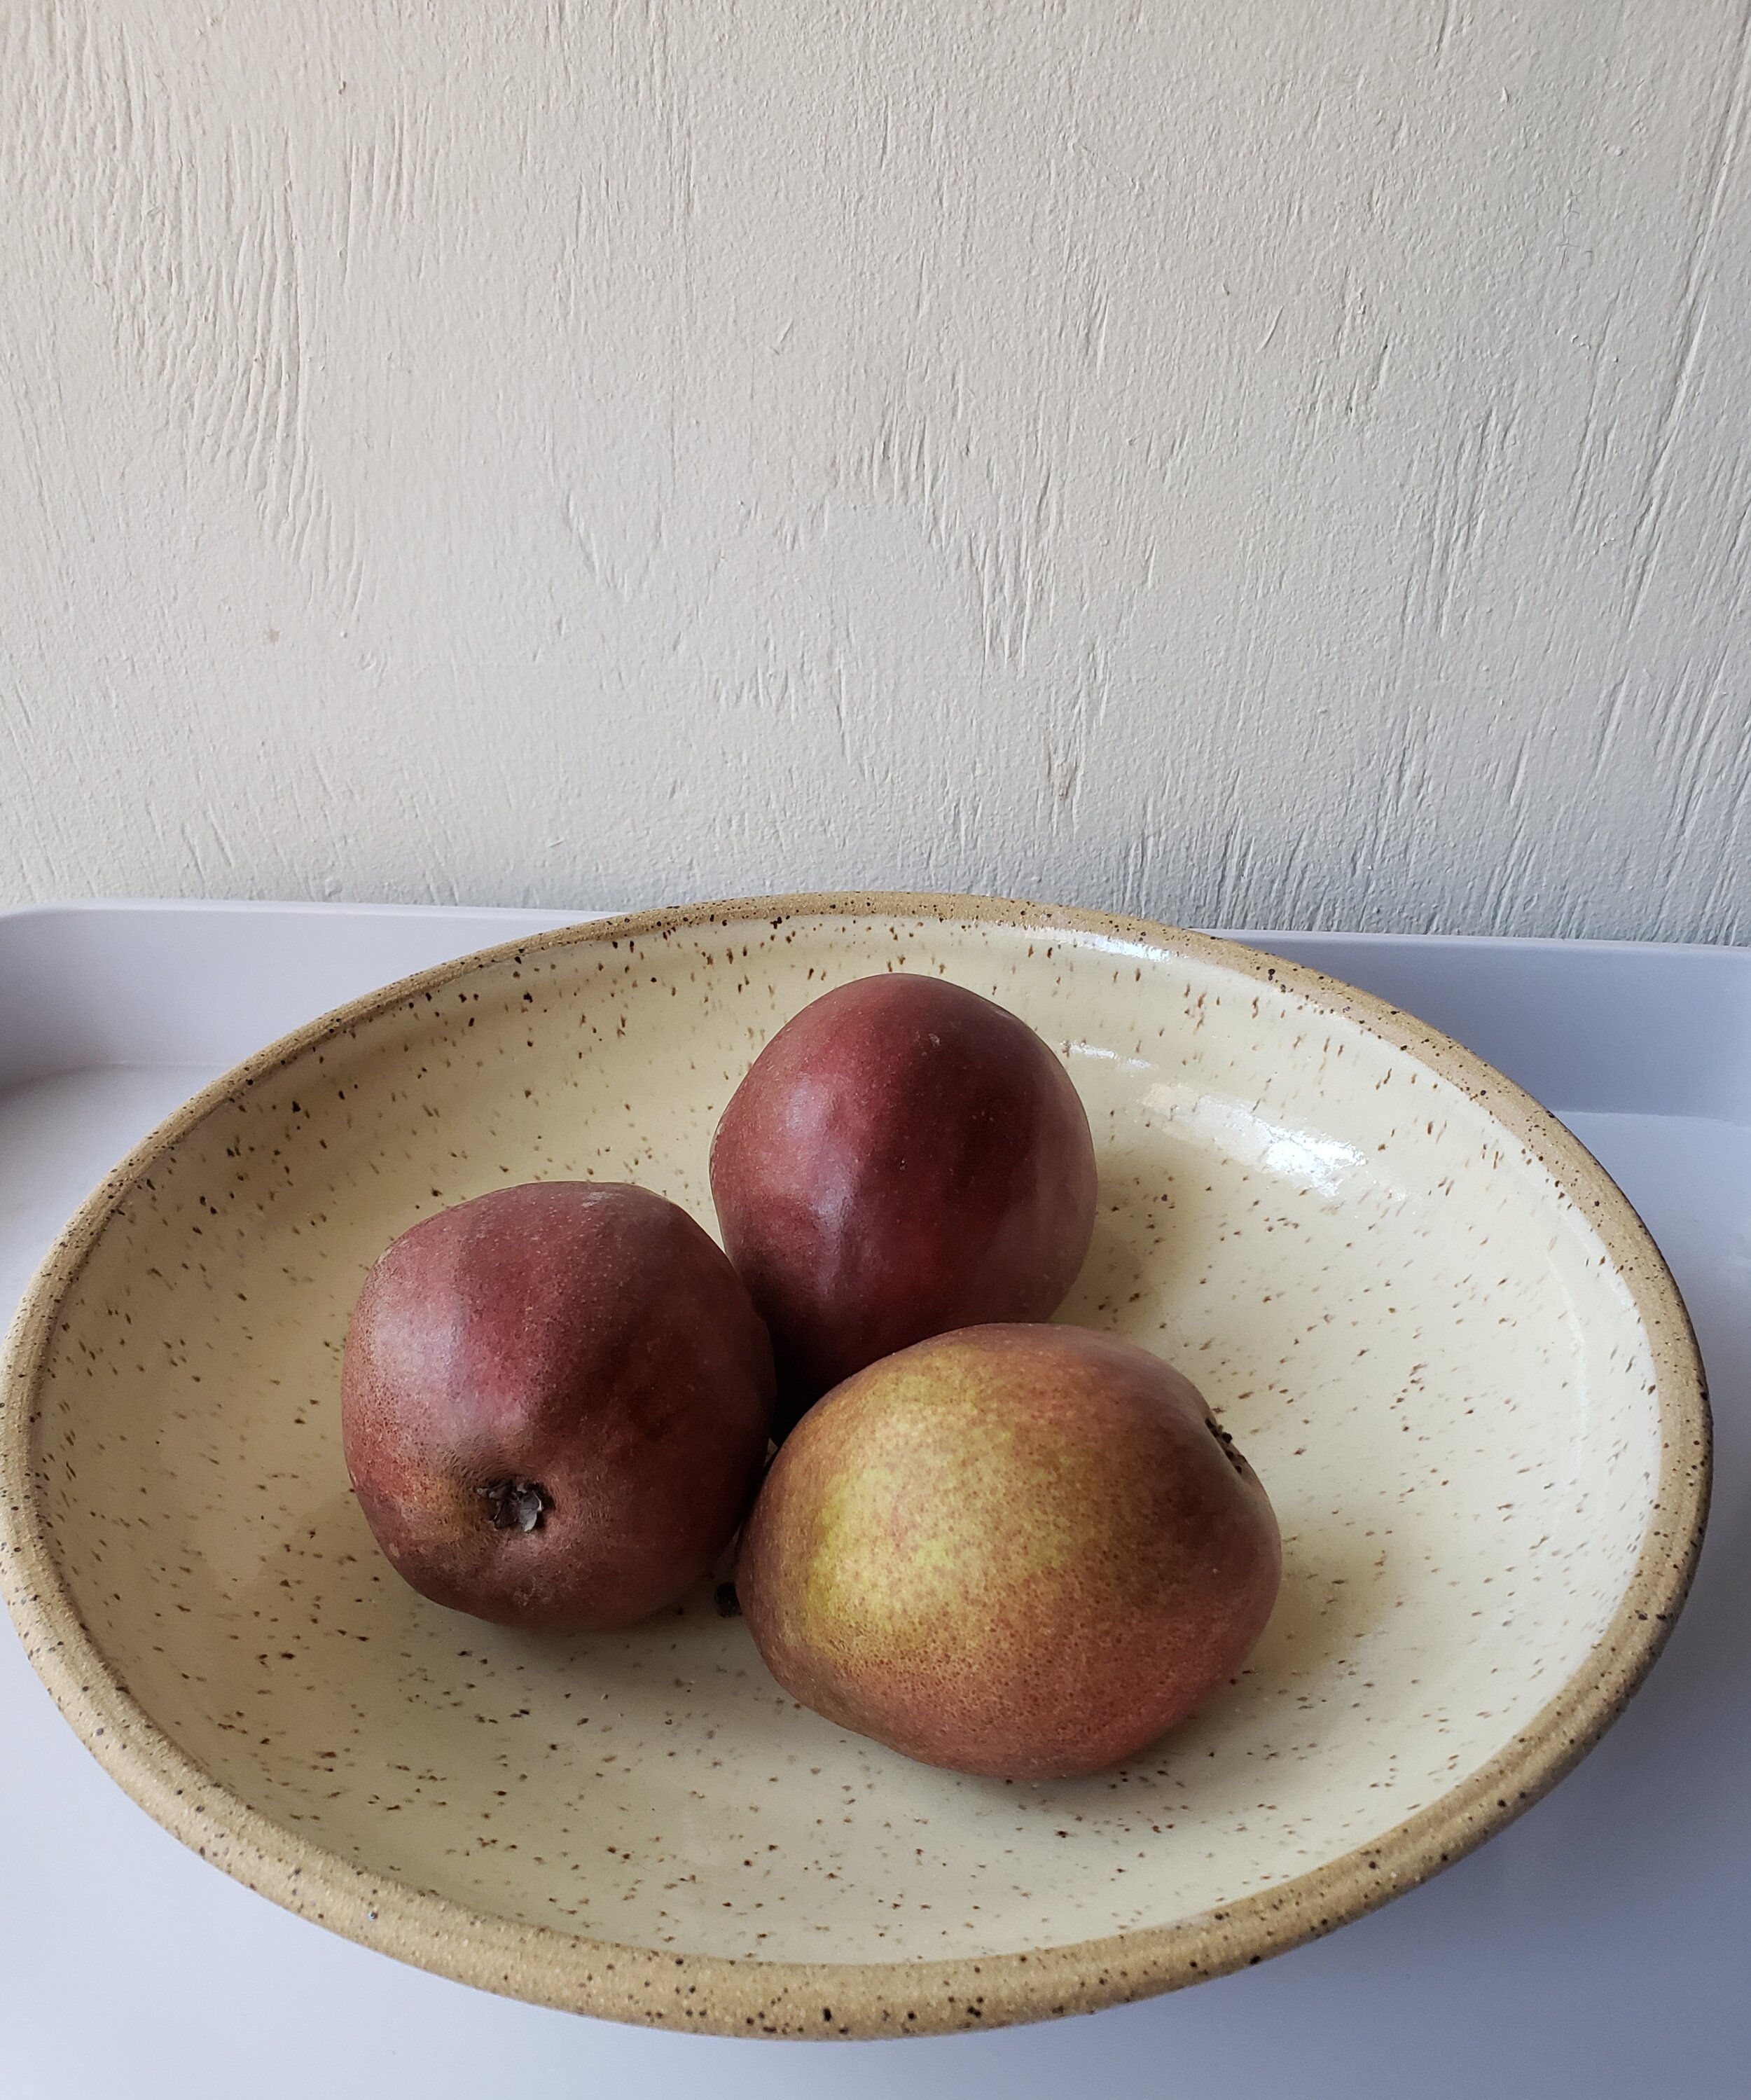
[730, 1996]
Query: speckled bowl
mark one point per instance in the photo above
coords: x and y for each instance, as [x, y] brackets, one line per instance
[1439, 1331]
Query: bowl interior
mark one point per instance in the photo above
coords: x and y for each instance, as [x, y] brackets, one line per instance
[1412, 1332]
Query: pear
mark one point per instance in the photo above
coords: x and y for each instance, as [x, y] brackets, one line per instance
[1019, 1551]
[904, 1157]
[555, 1404]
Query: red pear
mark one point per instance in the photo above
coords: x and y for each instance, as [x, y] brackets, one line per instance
[555, 1404]
[903, 1157]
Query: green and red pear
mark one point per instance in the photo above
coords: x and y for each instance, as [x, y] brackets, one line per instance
[1019, 1551]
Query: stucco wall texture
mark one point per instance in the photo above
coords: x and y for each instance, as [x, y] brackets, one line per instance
[1283, 462]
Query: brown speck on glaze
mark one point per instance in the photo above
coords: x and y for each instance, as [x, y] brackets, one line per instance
[1437, 1331]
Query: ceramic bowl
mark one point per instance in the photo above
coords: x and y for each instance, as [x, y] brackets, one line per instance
[1439, 1331]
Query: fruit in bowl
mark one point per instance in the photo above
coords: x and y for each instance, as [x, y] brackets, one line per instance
[902, 1158]
[1002, 1546]
[1019, 1551]
[555, 1404]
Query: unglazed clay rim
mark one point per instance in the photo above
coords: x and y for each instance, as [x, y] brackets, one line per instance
[715, 1994]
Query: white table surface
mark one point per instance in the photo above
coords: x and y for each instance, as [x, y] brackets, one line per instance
[1599, 1947]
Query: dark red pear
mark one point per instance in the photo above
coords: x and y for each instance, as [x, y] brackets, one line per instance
[904, 1157]
[555, 1404]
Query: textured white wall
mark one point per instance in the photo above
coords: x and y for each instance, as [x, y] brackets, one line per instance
[1270, 461]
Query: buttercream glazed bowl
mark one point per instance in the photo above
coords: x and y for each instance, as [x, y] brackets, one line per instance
[1437, 1329]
